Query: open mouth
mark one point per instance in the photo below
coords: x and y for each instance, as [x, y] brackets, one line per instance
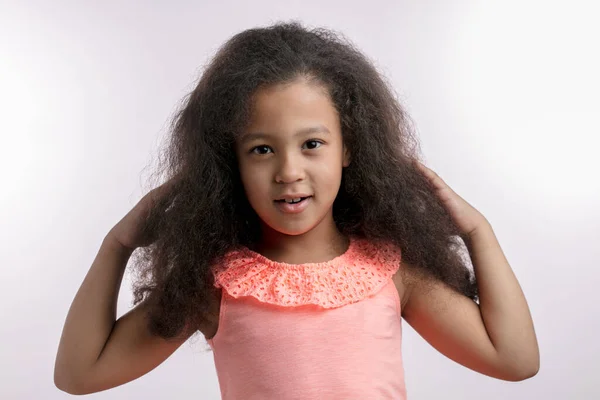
[293, 206]
[292, 201]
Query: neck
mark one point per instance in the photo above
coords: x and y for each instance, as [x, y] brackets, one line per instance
[322, 243]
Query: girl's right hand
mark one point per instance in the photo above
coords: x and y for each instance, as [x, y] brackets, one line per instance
[131, 230]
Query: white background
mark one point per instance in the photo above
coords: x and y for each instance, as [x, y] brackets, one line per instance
[504, 96]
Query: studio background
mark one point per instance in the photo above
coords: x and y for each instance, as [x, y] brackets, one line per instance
[503, 94]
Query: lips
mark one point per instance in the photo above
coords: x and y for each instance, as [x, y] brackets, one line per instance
[293, 208]
[292, 196]
[292, 200]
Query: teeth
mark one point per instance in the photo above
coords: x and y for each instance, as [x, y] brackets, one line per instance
[293, 200]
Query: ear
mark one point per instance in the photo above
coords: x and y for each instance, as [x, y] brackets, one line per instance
[346, 159]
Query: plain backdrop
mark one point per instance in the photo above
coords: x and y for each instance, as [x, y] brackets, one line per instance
[504, 96]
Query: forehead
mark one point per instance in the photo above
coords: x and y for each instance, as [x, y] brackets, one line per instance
[290, 107]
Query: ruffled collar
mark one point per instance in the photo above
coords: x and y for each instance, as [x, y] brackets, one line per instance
[361, 271]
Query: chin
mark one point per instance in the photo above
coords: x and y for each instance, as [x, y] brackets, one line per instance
[289, 227]
[291, 230]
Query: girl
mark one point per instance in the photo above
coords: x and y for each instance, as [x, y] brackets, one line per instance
[296, 230]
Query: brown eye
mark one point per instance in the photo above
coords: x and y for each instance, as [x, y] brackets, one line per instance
[314, 144]
[261, 149]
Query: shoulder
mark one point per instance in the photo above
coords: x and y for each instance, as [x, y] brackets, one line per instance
[407, 279]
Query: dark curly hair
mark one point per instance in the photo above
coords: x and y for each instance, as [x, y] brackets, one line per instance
[206, 214]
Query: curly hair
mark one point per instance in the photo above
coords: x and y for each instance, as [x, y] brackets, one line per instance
[382, 195]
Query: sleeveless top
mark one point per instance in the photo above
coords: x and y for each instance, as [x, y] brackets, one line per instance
[329, 330]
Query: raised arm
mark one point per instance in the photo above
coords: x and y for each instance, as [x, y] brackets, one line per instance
[95, 351]
[496, 337]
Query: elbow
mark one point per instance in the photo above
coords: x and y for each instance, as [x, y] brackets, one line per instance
[65, 382]
[524, 374]
[71, 388]
[61, 378]
[523, 371]
[519, 364]
[64, 385]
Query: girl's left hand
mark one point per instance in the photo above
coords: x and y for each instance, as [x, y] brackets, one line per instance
[466, 217]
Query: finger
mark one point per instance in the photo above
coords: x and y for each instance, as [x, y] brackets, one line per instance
[433, 177]
[428, 172]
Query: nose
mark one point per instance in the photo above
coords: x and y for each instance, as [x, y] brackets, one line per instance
[289, 169]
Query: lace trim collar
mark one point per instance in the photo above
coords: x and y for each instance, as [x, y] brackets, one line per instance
[358, 273]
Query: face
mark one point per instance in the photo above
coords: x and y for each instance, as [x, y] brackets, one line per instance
[291, 148]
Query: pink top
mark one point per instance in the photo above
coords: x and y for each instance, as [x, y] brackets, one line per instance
[329, 330]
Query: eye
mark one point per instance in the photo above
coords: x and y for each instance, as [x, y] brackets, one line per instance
[314, 143]
[261, 149]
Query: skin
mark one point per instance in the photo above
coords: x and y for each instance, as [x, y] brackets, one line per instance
[293, 143]
[495, 338]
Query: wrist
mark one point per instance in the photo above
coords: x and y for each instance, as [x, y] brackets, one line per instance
[113, 244]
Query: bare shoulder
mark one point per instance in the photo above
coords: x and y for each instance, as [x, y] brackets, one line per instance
[211, 326]
[404, 280]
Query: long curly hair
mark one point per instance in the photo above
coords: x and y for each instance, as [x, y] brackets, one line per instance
[382, 195]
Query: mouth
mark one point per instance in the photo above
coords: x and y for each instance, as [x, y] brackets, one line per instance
[293, 206]
[292, 201]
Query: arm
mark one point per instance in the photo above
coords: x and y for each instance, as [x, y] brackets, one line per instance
[497, 337]
[95, 352]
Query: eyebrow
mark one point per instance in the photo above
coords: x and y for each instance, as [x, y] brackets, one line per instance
[261, 135]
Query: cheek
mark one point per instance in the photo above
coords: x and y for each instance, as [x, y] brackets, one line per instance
[329, 171]
[254, 180]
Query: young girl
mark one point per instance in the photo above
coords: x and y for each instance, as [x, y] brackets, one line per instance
[295, 232]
